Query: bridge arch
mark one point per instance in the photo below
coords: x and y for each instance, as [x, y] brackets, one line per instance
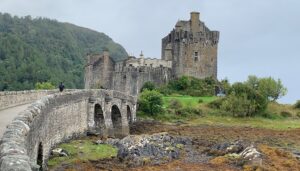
[129, 115]
[116, 118]
[39, 159]
[99, 118]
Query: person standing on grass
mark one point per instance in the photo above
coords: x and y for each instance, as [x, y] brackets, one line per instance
[61, 87]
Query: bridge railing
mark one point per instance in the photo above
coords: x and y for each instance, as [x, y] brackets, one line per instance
[48, 121]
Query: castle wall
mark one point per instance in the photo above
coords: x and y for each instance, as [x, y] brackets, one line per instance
[193, 49]
[99, 71]
[131, 79]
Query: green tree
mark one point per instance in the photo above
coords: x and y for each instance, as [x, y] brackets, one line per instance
[148, 85]
[271, 88]
[36, 50]
[243, 101]
[150, 102]
[253, 81]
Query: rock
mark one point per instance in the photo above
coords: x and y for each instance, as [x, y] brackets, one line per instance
[250, 153]
[235, 147]
[92, 133]
[296, 154]
[149, 149]
[58, 152]
[226, 148]
[98, 142]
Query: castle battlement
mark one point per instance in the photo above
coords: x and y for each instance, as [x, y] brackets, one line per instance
[190, 49]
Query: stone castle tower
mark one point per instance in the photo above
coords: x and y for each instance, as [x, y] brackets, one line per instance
[192, 48]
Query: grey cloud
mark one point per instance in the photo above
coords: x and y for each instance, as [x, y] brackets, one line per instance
[257, 37]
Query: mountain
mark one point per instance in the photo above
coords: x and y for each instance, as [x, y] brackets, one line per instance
[41, 49]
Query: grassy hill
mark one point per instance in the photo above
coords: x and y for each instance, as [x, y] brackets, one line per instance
[40, 49]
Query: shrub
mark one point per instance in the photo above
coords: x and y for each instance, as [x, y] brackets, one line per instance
[188, 111]
[298, 114]
[269, 87]
[297, 105]
[175, 104]
[150, 102]
[286, 114]
[200, 101]
[165, 90]
[241, 101]
[216, 104]
[44, 86]
[148, 85]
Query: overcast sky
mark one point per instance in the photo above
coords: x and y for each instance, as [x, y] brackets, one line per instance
[259, 37]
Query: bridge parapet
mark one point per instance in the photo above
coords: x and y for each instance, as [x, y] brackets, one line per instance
[58, 117]
[14, 98]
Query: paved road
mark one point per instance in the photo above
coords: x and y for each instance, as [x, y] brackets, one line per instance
[7, 115]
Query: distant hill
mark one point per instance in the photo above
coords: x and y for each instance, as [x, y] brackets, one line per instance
[40, 49]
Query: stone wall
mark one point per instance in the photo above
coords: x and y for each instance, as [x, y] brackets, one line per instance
[131, 79]
[192, 48]
[99, 71]
[14, 98]
[55, 118]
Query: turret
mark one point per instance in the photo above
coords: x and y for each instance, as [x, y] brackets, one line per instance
[195, 22]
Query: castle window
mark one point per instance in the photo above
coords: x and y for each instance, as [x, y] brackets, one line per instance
[196, 59]
[196, 56]
[130, 65]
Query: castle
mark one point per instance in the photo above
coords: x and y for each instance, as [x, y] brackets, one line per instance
[190, 49]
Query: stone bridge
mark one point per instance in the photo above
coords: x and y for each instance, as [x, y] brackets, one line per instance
[58, 117]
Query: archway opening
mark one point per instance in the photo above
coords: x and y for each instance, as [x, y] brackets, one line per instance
[40, 156]
[116, 120]
[99, 118]
[129, 117]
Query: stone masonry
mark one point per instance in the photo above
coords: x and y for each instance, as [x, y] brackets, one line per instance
[189, 50]
[56, 118]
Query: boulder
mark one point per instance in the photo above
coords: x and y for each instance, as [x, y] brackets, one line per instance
[149, 149]
[59, 152]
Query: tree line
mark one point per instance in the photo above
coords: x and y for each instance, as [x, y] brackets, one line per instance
[36, 50]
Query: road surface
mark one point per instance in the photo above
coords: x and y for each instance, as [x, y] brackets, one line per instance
[7, 115]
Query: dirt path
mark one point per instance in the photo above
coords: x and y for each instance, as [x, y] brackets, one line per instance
[7, 115]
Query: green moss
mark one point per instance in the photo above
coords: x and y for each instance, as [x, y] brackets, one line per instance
[179, 146]
[83, 150]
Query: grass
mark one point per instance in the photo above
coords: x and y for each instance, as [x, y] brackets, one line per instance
[257, 122]
[83, 150]
[187, 101]
[274, 119]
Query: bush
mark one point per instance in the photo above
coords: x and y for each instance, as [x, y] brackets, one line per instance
[200, 101]
[216, 104]
[165, 90]
[150, 102]
[148, 85]
[188, 111]
[269, 87]
[297, 105]
[44, 86]
[286, 114]
[298, 114]
[190, 86]
[241, 101]
[175, 104]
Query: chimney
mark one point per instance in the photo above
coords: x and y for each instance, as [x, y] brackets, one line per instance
[195, 21]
